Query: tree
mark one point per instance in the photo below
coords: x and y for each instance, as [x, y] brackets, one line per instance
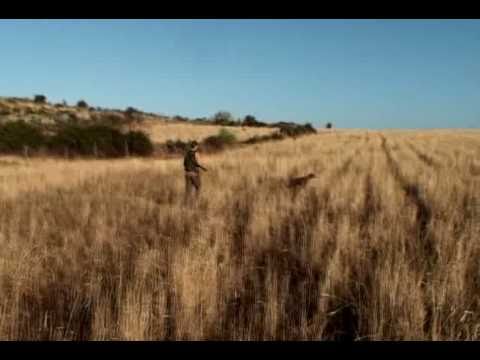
[223, 118]
[82, 104]
[41, 99]
[249, 120]
[180, 118]
[130, 111]
[308, 128]
[329, 125]
[221, 140]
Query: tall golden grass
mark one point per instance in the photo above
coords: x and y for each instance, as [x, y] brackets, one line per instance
[382, 245]
[162, 131]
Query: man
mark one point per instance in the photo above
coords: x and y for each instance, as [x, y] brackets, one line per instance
[192, 173]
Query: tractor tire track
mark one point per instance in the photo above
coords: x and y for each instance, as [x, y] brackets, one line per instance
[370, 206]
[426, 159]
[344, 324]
[413, 193]
[428, 255]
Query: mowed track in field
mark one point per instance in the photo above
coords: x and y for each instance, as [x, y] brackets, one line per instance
[380, 246]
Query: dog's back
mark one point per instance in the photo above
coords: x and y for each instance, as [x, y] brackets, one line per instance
[299, 182]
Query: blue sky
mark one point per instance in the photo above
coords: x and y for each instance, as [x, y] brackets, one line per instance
[354, 73]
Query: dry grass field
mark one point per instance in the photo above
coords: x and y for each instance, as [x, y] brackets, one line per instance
[382, 245]
[162, 131]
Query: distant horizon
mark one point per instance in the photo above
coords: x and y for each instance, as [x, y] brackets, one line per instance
[356, 74]
[318, 126]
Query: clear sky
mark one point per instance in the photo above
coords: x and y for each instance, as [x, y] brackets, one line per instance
[354, 73]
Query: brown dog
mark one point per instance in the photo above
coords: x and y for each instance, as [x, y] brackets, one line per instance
[299, 182]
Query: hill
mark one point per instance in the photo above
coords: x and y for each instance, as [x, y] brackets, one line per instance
[80, 128]
[159, 127]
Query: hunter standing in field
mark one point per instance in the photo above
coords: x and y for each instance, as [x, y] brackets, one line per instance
[192, 172]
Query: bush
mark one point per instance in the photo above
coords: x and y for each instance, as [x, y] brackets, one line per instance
[224, 118]
[219, 141]
[227, 136]
[139, 143]
[73, 139]
[176, 146]
[61, 104]
[269, 137]
[288, 130]
[131, 111]
[201, 120]
[223, 115]
[180, 118]
[14, 136]
[97, 140]
[308, 128]
[250, 120]
[329, 125]
[214, 143]
[82, 104]
[294, 130]
[40, 99]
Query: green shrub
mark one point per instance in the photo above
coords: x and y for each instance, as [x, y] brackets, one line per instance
[309, 129]
[68, 137]
[180, 118]
[221, 140]
[14, 136]
[139, 143]
[269, 137]
[82, 104]
[227, 136]
[294, 130]
[96, 140]
[131, 112]
[40, 99]
[176, 146]
[250, 120]
[288, 130]
[222, 116]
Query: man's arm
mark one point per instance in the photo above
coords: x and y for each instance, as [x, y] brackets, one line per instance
[198, 165]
